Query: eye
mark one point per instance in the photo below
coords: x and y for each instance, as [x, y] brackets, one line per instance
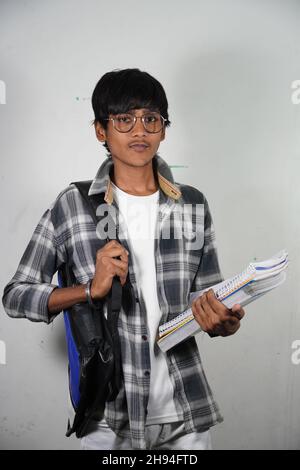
[151, 118]
[125, 118]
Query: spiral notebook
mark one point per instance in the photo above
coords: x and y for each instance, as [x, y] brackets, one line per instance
[256, 280]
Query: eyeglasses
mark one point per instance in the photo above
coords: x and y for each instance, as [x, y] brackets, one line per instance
[153, 122]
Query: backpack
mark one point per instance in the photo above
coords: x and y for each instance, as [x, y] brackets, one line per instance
[95, 372]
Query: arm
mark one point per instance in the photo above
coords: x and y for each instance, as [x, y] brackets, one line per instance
[30, 293]
[65, 297]
[213, 317]
[27, 293]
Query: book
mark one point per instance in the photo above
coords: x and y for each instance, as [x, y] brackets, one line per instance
[249, 285]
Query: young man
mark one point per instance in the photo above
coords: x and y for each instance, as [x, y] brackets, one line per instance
[165, 401]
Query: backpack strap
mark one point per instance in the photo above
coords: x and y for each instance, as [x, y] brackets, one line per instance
[114, 297]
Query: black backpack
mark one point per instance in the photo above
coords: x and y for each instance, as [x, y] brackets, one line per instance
[95, 371]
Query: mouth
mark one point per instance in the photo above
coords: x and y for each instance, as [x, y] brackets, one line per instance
[139, 147]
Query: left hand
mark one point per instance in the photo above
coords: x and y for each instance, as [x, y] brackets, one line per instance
[214, 317]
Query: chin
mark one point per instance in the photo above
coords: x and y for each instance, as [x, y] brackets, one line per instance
[137, 159]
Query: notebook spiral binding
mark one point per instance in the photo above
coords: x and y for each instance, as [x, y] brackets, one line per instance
[236, 283]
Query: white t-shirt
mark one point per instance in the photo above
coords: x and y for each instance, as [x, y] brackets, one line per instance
[140, 214]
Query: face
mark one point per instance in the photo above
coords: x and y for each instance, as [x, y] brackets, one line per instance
[134, 148]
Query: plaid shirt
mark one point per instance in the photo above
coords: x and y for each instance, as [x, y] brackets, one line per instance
[67, 231]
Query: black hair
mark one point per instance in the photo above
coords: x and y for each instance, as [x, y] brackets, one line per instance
[122, 90]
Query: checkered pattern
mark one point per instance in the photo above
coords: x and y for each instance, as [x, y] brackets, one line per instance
[66, 231]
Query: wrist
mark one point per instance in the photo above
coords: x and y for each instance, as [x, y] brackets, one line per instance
[90, 295]
[95, 295]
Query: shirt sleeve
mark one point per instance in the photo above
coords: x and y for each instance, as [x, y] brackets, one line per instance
[27, 293]
[209, 272]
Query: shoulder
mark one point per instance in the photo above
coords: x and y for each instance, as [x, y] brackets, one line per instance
[190, 194]
[68, 204]
[65, 196]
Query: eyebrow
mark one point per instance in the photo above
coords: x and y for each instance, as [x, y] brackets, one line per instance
[153, 110]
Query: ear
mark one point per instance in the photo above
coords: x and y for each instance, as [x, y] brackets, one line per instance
[163, 134]
[100, 132]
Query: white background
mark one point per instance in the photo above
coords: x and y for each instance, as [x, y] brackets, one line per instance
[227, 68]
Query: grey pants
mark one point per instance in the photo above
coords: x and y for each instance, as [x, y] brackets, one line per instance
[168, 436]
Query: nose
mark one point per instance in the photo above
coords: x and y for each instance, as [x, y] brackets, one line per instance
[138, 128]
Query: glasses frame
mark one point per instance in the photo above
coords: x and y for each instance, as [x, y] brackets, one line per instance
[135, 118]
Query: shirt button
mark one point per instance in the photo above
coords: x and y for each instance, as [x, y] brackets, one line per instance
[137, 299]
[147, 373]
[144, 337]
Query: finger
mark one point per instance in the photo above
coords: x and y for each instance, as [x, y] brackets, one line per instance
[111, 243]
[235, 315]
[114, 251]
[213, 320]
[231, 327]
[116, 271]
[116, 267]
[124, 255]
[203, 300]
[199, 314]
[238, 311]
[233, 321]
[218, 306]
[119, 263]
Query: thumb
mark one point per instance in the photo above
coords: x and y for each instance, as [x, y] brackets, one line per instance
[236, 308]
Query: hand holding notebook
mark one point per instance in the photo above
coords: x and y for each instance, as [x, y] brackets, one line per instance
[255, 281]
[214, 317]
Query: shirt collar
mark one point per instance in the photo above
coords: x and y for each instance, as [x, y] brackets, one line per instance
[102, 181]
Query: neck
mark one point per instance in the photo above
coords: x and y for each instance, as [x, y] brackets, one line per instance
[139, 181]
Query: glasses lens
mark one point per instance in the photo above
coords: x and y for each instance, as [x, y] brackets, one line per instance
[153, 122]
[123, 122]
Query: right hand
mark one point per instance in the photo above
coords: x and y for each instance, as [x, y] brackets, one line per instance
[107, 267]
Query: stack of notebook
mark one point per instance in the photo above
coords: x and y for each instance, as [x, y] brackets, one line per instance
[255, 281]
